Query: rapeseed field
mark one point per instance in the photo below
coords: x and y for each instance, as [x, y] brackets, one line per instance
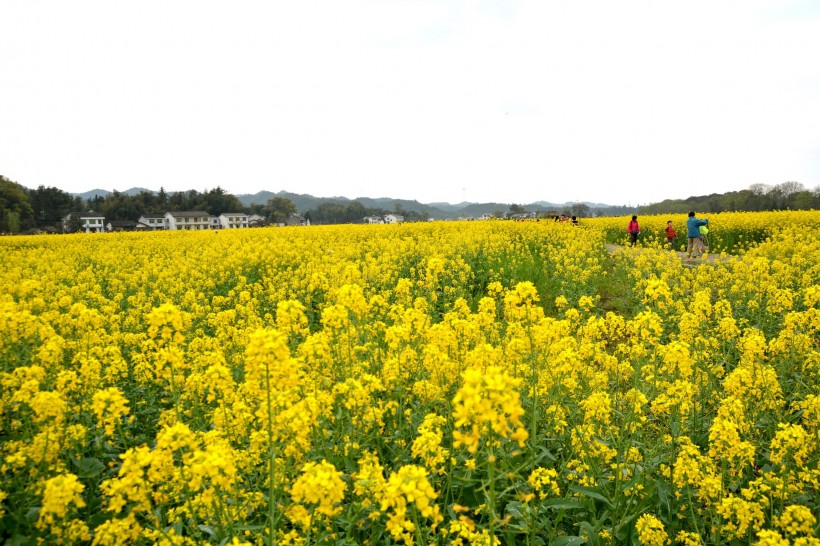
[445, 383]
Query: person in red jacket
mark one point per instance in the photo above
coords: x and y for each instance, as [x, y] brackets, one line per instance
[671, 235]
[633, 230]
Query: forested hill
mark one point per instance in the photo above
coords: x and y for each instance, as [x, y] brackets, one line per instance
[759, 197]
[305, 203]
[25, 210]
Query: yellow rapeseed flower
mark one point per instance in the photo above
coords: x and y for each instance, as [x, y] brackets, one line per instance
[488, 404]
[320, 486]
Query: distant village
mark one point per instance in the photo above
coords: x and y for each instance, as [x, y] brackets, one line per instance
[48, 209]
[92, 222]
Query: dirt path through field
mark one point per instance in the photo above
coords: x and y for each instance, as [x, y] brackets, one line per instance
[689, 262]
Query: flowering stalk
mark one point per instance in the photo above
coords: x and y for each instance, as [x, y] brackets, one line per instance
[271, 461]
[491, 477]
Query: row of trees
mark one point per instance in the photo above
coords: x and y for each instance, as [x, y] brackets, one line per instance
[121, 206]
[354, 212]
[581, 210]
[758, 197]
[23, 209]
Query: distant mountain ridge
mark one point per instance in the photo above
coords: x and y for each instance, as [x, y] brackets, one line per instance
[439, 210]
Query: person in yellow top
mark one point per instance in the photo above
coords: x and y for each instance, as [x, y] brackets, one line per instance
[704, 238]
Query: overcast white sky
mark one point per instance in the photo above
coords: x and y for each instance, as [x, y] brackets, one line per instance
[626, 102]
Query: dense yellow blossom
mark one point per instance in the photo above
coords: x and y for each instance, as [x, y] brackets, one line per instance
[651, 531]
[544, 482]
[117, 531]
[488, 404]
[791, 444]
[61, 495]
[406, 490]
[320, 486]
[441, 382]
[797, 520]
[109, 406]
[427, 444]
[768, 537]
[740, 517]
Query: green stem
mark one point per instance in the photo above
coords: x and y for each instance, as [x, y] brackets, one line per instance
[534, 396]
[174, 391]
[417, 527]
[491, 473]
[271, 462]
[187, 491]
[310, 526]
[692, 510]
[227, 420]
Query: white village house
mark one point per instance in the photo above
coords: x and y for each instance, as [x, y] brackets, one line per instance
[89, 222]
[121, 225]
[189, 220]
[255, 220]
[231, 220]
[295, 220]
[175, 220]
[152, 222]
[393, 219]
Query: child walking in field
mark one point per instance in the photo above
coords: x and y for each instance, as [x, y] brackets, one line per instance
[704, 238]
[671, 235]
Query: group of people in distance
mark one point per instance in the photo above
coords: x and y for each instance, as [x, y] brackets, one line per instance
[564, 218]
[697, 231]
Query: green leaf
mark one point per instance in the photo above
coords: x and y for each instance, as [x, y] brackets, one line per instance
[88, 467]
[514, 509]
[624, 528]
[675, 429]
[20, 540]
[516, 528]
[98, 519]
[592, 493]
[32, 514]
[568, 541]
[544, 453]
[663, 495]
[562, 504]
[587, 528]
[207, 529]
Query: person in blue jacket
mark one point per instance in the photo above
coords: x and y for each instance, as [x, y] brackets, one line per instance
[693, 234]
